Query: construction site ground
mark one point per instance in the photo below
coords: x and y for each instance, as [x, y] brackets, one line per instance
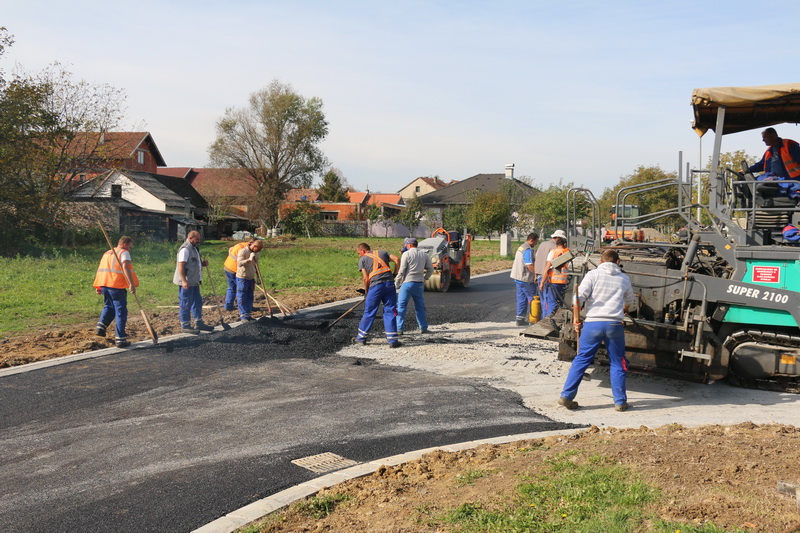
[717, 452]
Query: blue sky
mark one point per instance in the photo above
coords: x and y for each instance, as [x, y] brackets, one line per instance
[581, 91]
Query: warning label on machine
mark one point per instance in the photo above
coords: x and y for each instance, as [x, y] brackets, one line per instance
[766, 274]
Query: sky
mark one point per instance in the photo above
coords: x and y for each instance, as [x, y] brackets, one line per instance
[580, 92]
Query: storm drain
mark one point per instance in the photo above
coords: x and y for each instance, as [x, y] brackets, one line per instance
[324, 462]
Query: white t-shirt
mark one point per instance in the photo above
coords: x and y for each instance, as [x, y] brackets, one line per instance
[183, 257]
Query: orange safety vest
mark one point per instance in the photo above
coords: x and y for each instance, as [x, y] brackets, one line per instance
[792, 166]
[559, 276]
[109, 273]
[378, 266]
[233, 251]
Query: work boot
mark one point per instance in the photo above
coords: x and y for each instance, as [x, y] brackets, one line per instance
[203, 327]
[569, 404]
[356, 340]
[189, 329]
[100, 331]
[396, 345]
[123, 344]
[622, 407]
[522, 322]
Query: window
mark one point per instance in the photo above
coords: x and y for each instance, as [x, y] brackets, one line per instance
[417, 188]
[140, 157]
[330, 215]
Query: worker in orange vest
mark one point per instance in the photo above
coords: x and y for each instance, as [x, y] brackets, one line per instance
[230, 273]
[112, 281]
[553, 284]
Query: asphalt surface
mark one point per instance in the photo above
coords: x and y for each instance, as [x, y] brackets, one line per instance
[173, 436]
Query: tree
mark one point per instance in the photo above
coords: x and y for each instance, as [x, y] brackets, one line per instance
[304, 217]
[275, 140]
[412, 214]
[333, 188]
[547, 210]
[454, 218]
[649, 202]
[489, 212]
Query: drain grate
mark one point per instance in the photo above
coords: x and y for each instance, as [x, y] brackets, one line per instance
[324, 462]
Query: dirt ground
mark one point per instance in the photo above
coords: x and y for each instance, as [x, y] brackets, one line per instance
[725, 475]
[23, 349]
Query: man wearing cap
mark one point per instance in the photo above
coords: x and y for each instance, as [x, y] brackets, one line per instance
[415, 267]
[542, 252]
[524, 276]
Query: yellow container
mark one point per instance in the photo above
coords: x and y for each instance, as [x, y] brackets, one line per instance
[536, 310]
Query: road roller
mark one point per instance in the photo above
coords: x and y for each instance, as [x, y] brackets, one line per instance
[450, 252]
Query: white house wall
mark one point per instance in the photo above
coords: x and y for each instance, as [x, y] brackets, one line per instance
[131, 192]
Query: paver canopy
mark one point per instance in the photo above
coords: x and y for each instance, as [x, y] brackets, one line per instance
[746, 108]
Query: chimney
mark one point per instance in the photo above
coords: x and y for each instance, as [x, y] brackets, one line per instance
[510, 171]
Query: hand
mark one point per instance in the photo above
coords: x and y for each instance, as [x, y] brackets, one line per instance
[204, 262]
[577, 324]
[133, 290]
[99, 291]
[185, 285]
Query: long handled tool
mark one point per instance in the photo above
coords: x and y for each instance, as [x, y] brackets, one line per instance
[326, 326]
[214, 292]
[266, 298]
[150, 329]
[285, 309]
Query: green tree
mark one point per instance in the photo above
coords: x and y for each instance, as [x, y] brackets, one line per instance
[411, 215]
[454, 218]
[489, 212]
[304, 217]
[333, 188]
[546, 211]
[649, 202]
[275, 140]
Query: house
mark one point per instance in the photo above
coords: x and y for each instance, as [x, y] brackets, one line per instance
[356, 208]
[461, 193]
[164, 207]
[91, 154]
[422, 185]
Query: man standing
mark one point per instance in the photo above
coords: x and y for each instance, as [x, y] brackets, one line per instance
[541, 258]
[415, 267]
[246, 263]
[379, 288]
[524, 276]
[112, 281]
[188, 277]
[607, 294]
[230, 273]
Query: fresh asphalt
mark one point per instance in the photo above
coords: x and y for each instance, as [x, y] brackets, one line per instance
[173, 436]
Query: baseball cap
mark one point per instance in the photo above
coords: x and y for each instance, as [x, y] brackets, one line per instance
[559, 233]
[410, 240]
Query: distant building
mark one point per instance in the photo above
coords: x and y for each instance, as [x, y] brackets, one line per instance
[462, 192]
[423, 185]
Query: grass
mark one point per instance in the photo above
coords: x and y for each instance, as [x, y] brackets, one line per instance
[52, 287]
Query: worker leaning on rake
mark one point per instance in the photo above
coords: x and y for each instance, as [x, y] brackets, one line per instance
[112, 283]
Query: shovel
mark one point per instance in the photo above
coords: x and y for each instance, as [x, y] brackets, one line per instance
[325, 326]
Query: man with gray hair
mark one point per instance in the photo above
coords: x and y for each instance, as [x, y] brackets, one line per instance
[524, 276]
[188, 276]
[415, 267]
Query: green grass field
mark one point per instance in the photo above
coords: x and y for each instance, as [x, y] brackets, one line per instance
[53, 288]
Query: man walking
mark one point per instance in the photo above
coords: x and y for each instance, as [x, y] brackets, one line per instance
[607, 294]
[415, 267]
[247, 261]
[188, 277]
[112, 281]
[378, 279]
[524, 276]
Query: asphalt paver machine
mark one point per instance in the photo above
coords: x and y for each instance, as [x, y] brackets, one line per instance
[722, 298]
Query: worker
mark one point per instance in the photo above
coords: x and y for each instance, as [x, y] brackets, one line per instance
[415, 267]
[113, 281]
[541, 259]
[524, 275]
[188, 277]
[554, 281]
[378, 279]
[606, 294]
[229, 268]
[246, 264]
[781, 161]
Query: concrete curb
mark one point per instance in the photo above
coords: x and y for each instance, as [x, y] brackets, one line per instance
[258, 509]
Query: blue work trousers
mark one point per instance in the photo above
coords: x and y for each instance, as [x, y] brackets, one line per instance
[412, 290]
[115, 306]
[525, 293]
[245, 290]
[191, 306]
[230, 294]
[380, 293]
[552, 297]
[612, 334]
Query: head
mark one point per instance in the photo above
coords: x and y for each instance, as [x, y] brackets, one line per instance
[363, 248]
[559, 233]
[125, 242]
[770, 137]
[193, 237]
[532, 238]
[410, 242]
[560, 241]
[256, 245]
[609, 256]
